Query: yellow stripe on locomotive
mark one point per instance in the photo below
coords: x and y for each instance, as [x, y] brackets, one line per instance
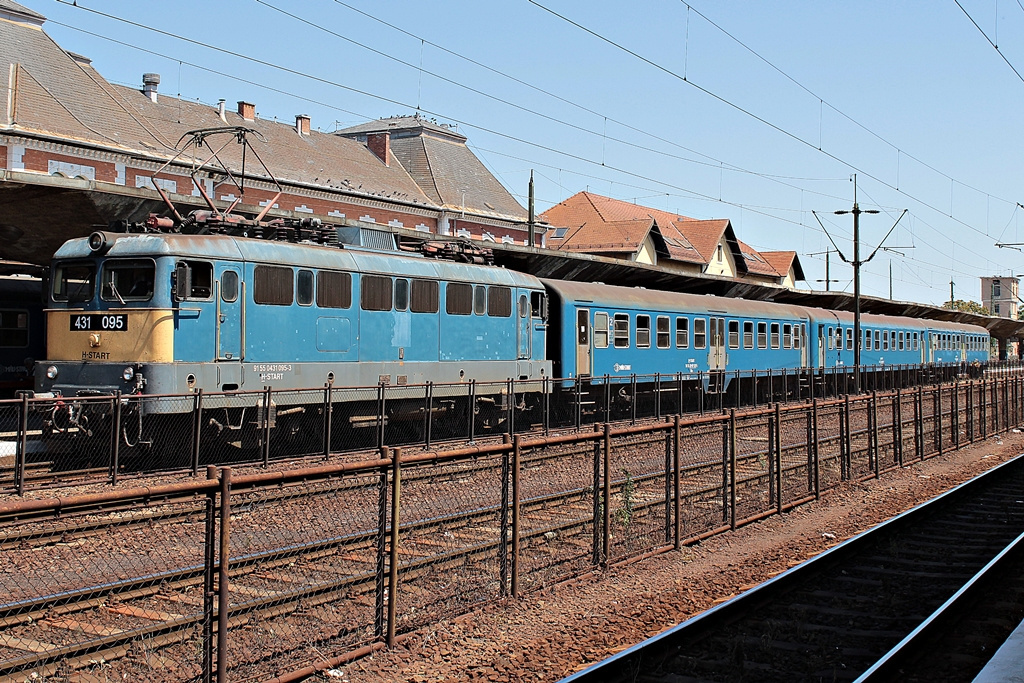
[124, 336]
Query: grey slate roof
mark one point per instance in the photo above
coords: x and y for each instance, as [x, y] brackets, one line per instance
[443, 166]
[8, 6]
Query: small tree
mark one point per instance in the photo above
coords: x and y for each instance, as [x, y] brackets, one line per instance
[967, 307]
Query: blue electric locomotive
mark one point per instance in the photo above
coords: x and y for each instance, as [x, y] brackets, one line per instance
[160, 314]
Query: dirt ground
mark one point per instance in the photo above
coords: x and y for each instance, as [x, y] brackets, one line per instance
[550, 634]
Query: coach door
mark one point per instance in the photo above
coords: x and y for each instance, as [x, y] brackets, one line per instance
[716, 353]
[230, 316]
[583, 367]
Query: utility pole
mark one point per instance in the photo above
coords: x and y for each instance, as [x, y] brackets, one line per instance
[857, 263]
[890, 279]
[532, 220]
[828, 278]
[951, 294]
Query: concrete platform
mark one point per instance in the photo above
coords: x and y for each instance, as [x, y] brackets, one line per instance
[1007, 664]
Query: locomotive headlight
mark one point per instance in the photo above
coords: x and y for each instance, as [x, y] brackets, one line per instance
[51, 372]
[128, 374]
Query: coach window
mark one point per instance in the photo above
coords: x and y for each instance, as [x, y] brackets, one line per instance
[621, 330]
[849, 339]
[643, 332]
[885, 340]
[424, 297]
[664, 332]
[304, 288]
[333, 290]
[458, 299]
[273, 285]
[601, 330]
[762, 335]
[748, 334]
[775, 335]
[831, 338]
[682, 333]
[401, 294]
[734, 334]
[480, 300]
[499, 302]
[229, 286]
[787, 336]
[902, 342]
[878, 342]
[700, 333]
[133, 280]
[375, 294]
[798, 336]
[13, 328]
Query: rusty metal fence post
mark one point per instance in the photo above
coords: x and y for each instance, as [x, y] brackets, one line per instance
[516, 472]
[209, 566]
[471, 409]
[328, 418]
[503, 513]
[381, 541]
[732, 468]
[898, 425]
[668, 485]
[677, 483]
[778, 458]
[21, 455]
[266, 425]
[223, 587]
[954, 417]
[115, 437]
[606, 540]
[197, 428]
[596, 488]
[817, 452]
[396, 509]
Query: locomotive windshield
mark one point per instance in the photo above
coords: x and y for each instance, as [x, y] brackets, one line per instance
[127, 280]
[74, 281]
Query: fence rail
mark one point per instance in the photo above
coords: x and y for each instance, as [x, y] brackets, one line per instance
[47, 442]
[279, 573]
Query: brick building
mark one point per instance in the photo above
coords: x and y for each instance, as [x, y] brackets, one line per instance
[77, 152]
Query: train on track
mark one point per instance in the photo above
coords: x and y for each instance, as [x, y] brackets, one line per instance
[230, 308]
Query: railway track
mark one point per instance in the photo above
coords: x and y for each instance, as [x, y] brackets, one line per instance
[918, 598]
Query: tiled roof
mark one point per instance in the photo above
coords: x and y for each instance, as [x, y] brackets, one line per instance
[596, 213]
[399, 126]
[756, 264]
[614, 237]
[782, 261]
[704, 235]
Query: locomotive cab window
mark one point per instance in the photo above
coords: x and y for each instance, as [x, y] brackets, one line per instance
[133, 280]
[601, 330]
[74, 282]
[194, 280]
[539, 305]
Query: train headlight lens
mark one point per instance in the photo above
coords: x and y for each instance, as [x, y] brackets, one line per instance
[128, 374]
[51, 372]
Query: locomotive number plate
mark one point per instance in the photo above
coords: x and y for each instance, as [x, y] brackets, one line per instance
[99, 321]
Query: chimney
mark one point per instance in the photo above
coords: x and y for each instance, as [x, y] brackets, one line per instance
[380, 145]
[302, 124]
[247, 110]
[149, 84]
[220, 111]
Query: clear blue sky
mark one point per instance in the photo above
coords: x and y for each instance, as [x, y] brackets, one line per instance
[909, 95]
